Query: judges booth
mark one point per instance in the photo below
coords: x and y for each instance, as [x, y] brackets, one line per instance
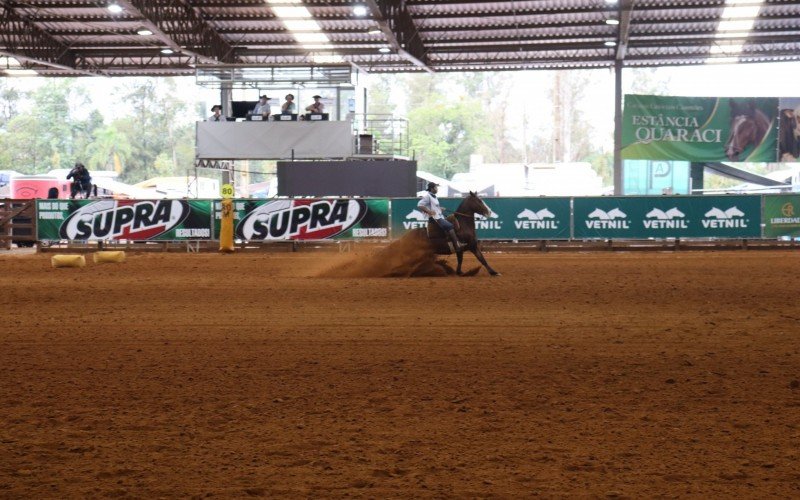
[270, 140]
[306, 143]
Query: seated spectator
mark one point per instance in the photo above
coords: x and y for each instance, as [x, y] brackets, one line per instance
[288, 106]
[317, 106]
[217, 116]
[262, 107]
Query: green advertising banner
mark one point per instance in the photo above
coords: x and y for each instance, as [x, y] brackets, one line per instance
[667, 217]
[131, 220]
[781, 216]
[307, 219]
[511, 219]
[700, 128]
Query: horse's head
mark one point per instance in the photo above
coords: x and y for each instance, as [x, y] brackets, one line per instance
[472, 205]
[748, 126]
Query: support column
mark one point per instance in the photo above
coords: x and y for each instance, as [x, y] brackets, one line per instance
[618, 127]
[696, 173]
[225, 98]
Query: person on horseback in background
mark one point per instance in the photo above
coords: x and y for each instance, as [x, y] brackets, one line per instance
[81, 181]
[429, 204]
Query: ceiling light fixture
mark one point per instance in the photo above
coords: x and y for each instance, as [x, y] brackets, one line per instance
[374, 31]
[612, 22]
[384, 50]
[114, 8]
[144, 32]
[167, 51]
[610, 44]
[360, 11]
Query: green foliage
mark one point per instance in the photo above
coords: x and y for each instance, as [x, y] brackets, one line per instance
[60, 128]
[445, 134]
[603, 164]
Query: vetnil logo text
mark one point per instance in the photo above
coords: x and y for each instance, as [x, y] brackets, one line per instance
[613, 219]
[541, 219]
[415, 220]
[724, 219]
[671, 219]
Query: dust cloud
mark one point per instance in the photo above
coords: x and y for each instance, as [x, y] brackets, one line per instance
[412, 255]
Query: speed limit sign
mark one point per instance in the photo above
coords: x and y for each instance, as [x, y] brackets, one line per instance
[227, 191]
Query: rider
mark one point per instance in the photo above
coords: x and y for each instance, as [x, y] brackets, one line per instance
[429, 204]
[81, 180]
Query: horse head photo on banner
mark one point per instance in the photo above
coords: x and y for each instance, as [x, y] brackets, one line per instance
[749, 125]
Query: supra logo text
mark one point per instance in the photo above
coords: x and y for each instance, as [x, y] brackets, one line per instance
[301, 219]
[124, 220]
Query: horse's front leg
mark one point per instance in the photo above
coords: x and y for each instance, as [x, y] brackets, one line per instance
[460, 258]
[482, 260]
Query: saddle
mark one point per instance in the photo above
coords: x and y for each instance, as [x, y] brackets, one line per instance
[439, 240]
[434, 231]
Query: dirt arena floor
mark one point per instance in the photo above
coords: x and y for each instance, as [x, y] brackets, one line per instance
[592, 375]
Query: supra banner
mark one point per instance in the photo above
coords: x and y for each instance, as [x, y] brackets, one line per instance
[667, 217]
[781, 215]
[132, 220]
[307, 219]
[700, 128]
[511, 218]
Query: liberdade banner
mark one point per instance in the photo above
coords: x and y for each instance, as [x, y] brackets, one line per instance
[307, 219]
[131, 220]
[781, 215]
[700, 128]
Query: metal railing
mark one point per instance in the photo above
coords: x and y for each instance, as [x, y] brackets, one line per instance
[381, 135]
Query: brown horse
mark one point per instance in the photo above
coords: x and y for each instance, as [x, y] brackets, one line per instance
[748, 126]
[464, 220]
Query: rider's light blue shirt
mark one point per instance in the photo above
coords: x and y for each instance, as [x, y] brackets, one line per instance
[431, 202]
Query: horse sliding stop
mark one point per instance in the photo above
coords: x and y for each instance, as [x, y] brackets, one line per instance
[464, 221]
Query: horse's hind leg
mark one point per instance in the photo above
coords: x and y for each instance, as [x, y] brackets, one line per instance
[460, 258]
[482, 260]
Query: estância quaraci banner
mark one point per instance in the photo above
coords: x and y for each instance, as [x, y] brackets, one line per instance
[730, 129]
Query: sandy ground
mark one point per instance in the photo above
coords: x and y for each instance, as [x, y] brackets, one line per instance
[590, 375]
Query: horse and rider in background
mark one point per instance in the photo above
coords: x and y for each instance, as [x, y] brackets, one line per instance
[81, 185]
[789, 138]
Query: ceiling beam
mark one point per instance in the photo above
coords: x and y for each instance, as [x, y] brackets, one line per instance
[24, 41]
[398, 26]
[182, 29]
[624, 17]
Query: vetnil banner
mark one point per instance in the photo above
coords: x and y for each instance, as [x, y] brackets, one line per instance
[667, 217]
[131, 220]
[700, 128]
[511, 218]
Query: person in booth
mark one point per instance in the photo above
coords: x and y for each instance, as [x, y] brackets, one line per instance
[217, 114]
[262, 107]
[317, 106]
[429, 204]
[288, 106]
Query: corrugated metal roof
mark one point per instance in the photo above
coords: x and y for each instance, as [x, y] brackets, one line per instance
[445, 35]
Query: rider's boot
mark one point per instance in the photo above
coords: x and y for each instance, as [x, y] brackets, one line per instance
[457, 245]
